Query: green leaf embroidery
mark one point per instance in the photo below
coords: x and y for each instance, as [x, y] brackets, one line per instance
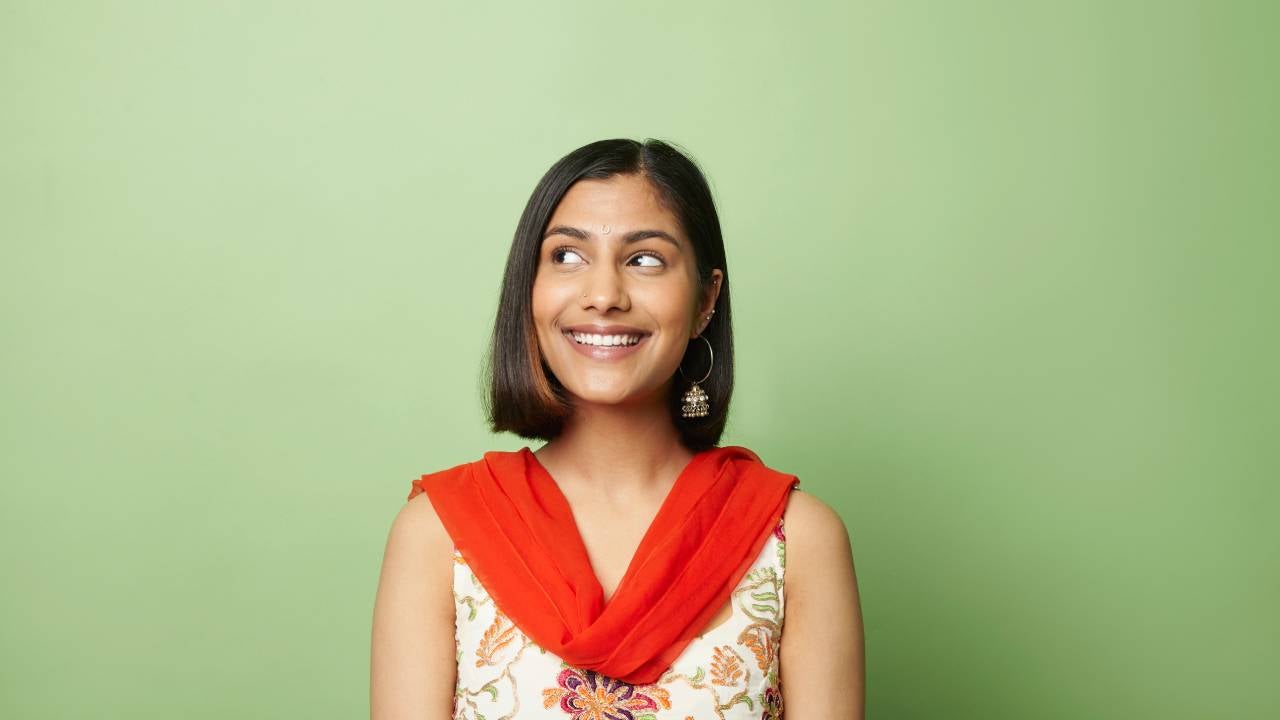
[470, 602]
[740, 697]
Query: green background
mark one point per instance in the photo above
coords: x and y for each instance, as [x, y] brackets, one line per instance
[1004, 284]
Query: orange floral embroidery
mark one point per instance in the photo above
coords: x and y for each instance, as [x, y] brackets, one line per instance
[726, 667]
[500, 633]
[759, 639]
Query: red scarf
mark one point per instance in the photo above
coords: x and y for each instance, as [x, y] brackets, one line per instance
[513, 526]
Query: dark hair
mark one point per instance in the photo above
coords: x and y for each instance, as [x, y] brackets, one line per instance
[524, 396]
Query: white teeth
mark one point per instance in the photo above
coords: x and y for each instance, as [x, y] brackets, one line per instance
[605, 340]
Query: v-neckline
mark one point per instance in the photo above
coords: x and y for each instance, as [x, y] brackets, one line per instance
[664, 509]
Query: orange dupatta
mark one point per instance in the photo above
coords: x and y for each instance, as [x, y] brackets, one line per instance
[513, 526]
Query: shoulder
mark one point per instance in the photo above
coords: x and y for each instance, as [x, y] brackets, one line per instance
[808, 516]
[817, 539]
[417, 523]
[419, 550]
[822, 644]
[413, 617]
[418, 534]
[417, 565]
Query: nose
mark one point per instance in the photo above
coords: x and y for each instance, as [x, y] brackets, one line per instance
[604, 288]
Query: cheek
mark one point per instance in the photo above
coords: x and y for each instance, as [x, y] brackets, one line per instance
[538, 305]
[672, 306]
[543, 301]
[548, 303]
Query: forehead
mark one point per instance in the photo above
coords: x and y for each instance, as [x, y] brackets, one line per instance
[623, 202]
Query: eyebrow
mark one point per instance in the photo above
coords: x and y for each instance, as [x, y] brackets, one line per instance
[633, 236]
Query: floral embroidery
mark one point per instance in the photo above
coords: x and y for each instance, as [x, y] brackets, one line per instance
[759, 640]
[726, 666]
[771, 702]
[729, 672]
[588, 695]
[501, 633]
[760, 599]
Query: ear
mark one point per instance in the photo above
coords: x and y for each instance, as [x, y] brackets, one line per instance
[708, 302]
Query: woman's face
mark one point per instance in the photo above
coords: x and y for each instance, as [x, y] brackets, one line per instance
[616, 264]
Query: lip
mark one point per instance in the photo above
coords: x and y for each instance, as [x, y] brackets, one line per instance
[614, 352]
[606, 329]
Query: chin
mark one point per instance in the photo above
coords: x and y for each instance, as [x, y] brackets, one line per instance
[602, 397]
[618, 396]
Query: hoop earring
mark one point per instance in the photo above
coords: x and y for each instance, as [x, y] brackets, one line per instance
[696, 404]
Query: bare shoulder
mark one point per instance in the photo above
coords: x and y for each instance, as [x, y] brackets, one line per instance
[418, 521]
[412, 667]
[418, 557]
[417, 541]
[817, 537]
[822, 637]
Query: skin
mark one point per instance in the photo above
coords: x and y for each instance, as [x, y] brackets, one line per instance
[615, 462]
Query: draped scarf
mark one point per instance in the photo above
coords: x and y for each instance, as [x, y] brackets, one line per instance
[514, 528]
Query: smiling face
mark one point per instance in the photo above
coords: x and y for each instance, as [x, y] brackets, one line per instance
[615, 263]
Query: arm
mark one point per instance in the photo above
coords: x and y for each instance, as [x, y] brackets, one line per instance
[821, 656]
[413, 668]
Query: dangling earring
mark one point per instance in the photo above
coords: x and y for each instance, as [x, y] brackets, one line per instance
[696, 404]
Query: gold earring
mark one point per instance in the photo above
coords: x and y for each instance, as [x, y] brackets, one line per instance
[696, 403]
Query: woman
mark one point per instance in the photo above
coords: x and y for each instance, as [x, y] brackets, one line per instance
[630, 567]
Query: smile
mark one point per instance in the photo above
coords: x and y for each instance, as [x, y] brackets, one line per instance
[604, 347]
[604, 340]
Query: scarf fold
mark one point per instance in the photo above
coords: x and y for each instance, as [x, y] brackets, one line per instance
[514, 527]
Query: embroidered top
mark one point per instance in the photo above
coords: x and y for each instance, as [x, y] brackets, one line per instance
[728, 673]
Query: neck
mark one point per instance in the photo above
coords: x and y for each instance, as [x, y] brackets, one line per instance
[621, 450]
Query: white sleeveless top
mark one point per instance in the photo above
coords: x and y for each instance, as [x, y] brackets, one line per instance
[728, 673]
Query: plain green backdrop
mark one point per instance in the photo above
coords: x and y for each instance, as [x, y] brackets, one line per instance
[1004, 278]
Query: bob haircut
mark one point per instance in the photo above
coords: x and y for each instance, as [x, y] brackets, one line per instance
[524, 396]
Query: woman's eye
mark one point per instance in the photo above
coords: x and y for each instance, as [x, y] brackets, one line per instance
[558, 252]
[657, 261]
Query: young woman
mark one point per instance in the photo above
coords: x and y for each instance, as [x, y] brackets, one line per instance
[631, 567]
